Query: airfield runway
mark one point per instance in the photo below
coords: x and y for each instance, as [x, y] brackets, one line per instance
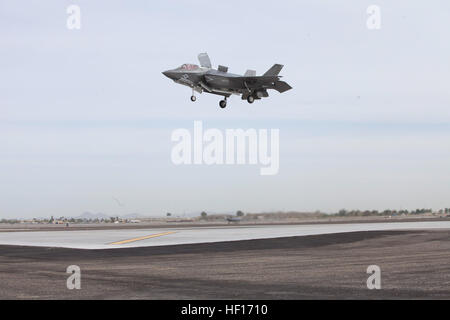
[128, 238]
[235, 262]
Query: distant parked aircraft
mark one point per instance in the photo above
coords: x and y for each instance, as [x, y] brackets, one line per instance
[233, 219]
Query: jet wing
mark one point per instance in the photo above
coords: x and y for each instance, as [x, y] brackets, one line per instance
[239, 80]
[248, 83]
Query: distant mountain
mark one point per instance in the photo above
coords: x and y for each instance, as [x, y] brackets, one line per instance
[89, 215]
[133, 216]
[198, 213]
[92, 216]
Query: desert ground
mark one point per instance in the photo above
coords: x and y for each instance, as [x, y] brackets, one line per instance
[414, 264]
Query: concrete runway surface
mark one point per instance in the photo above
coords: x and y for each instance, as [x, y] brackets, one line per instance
[129, 238]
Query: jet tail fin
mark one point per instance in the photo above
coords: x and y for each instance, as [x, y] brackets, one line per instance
[274, 71]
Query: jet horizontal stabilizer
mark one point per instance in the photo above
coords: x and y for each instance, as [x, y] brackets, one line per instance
[282, 86]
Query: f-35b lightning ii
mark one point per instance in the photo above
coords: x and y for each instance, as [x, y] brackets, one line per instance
[204, 78]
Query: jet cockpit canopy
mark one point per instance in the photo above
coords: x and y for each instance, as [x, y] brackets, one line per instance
[189, 67]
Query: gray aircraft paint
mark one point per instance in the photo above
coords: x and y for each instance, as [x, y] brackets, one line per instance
[204, 78]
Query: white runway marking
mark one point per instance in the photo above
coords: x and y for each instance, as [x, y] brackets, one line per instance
[110, 239]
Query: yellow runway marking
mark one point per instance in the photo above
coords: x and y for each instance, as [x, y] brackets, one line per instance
[143, 238]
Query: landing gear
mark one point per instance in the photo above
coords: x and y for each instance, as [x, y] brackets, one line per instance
[223, 103]
[250, 99]
[193, 98]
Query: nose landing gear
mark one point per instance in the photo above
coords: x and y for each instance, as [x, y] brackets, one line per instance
[193, 98]
[223, 103]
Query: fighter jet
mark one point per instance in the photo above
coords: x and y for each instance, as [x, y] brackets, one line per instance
[249, 86]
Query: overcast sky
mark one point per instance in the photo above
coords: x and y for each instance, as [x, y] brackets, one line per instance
[86, 115]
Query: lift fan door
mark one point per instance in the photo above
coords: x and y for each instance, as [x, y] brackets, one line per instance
[203, 58]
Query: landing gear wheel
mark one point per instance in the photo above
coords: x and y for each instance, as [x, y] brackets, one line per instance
[193, 98]
[223, 103]
[250, 99]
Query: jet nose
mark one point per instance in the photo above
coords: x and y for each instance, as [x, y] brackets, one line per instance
[169, 74]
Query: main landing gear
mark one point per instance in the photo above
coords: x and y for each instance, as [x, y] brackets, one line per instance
[250, 99]
[193, 97]
[223, 103]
